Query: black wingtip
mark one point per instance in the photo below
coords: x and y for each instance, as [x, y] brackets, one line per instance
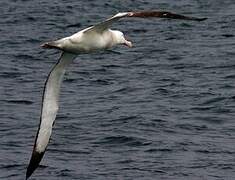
[202, 19]
[179, 16]
[34, 163]
[198, 19]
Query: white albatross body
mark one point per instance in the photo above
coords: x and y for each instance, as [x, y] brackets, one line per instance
[86, 42]
[95, 38]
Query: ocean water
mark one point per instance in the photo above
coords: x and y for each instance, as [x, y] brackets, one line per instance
[162, 110]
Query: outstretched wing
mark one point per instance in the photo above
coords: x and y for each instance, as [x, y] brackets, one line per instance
[141, 14]
[49, 110]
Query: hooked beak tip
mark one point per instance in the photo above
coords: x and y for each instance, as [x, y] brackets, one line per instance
[128, 44]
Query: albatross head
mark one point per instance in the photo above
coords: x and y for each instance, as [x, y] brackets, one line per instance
[120, 38]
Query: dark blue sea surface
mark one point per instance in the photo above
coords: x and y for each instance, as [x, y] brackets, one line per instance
[162, 110]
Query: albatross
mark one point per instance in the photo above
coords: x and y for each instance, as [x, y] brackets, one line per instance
[95, 38]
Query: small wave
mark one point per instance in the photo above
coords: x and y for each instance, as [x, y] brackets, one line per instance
[175, 57]
[100, 70]
[31, 18]
[123, 140]
[111, 66]
[231, 76]
[205, 151]
[125, 90]
[33, 40]
[10, 166]
[190, 127]
[26, 102]
[24, 56]
[126, 161]
[153, 150]
[11, 74]
[226, 166]
[64, 173]
[125, 118]
[102, 82]
[210, 119]
[186, 25]
[70, 79]
[68, 151]
[162, 91]
[227, 35]
[139, 31]
[77, 25]
[213, 100]
[202, 108]
[229, 66]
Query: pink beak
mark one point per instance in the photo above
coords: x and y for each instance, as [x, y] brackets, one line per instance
[128, 43]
